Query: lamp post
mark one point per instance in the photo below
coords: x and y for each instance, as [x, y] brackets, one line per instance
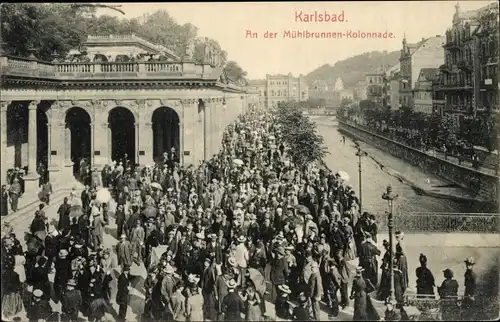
[390, 197]
[360, 153]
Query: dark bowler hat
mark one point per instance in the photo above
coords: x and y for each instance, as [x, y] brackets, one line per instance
[469, 261]
[448, 273]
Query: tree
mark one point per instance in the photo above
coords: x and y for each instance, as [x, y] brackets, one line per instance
[234, 71]
[346, 102]
[449, 131]
[62, 27]
[299, 134]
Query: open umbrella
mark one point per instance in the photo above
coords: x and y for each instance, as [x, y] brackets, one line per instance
[343, 175]
[258, 280]
[156, 185]
[103, 195]
[238, 162]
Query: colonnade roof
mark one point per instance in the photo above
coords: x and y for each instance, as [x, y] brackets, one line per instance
[23, 72]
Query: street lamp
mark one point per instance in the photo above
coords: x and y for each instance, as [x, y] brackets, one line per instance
[390, 197]
[360, 153]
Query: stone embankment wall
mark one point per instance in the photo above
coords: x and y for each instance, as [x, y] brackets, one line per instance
[483, 185]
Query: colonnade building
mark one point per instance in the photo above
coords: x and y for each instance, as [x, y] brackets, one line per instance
[57, 113]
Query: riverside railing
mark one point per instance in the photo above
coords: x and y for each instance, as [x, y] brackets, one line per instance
[15, 66]
[444, 222]
[486, 164]
[430, 307]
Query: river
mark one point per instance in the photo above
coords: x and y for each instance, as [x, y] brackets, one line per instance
[375, 179]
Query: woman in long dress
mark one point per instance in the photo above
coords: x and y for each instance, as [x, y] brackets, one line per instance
[12, 302]
[350, 251]
[76, 207]
[194, 303]
[253, 302]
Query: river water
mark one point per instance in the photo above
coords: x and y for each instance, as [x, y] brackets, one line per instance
[375, 179]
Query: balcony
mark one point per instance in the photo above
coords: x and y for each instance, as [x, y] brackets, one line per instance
[458, 108]
[452, 45]
[464, 65]
[489, 83]
[457, 86]
[13, 66]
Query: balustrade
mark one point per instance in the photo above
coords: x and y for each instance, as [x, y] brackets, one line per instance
[19, 66]
[119, 67]
[163, 67]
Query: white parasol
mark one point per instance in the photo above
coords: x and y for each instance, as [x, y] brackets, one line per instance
[238, 162]
[156, 185]
[343, 175]
[103, 195]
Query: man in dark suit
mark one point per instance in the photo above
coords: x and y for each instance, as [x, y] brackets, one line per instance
[315, 290]
[337, 242]
[368, 260]
[232, 304]
[122, 295]
[71, 301]
[85, 197]
[373, 228]
[40, 309]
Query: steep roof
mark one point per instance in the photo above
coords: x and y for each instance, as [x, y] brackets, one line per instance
[429, 74]
[471, 14]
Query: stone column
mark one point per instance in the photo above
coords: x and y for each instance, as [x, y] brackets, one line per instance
[68, 163]
[3, 147]
[57, 145]
[206, 128]
[186, 124]
[31, 183]
[109, 141]
[93, 161]
[136, 148]
[145, 144]
[99, 141]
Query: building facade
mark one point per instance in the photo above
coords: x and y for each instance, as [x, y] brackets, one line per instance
[282, 88]
[376, 87]
[60, 113]
[259, 90]
[469, 82]
[424, 90]
[428, 53]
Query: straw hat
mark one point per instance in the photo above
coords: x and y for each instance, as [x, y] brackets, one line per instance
[232, 261]
[241, 239]
[231, 284]
[239, 205]
[280, 251]
[169, 269]
[71, 282]
[469, 261]
[284, 288]
[359, 269]
[37, 293]
[194, 279]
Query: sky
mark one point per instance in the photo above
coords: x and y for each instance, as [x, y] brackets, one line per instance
[231, 24]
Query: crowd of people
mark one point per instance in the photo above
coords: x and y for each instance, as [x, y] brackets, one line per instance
[246, 227]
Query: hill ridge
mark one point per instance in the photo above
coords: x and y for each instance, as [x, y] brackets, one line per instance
[352, 70]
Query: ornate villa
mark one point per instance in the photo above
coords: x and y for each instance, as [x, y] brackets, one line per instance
[119, 96]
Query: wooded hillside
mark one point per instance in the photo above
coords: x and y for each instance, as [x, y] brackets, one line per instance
[353, 69]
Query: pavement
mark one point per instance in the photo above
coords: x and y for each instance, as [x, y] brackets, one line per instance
[443, 251]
